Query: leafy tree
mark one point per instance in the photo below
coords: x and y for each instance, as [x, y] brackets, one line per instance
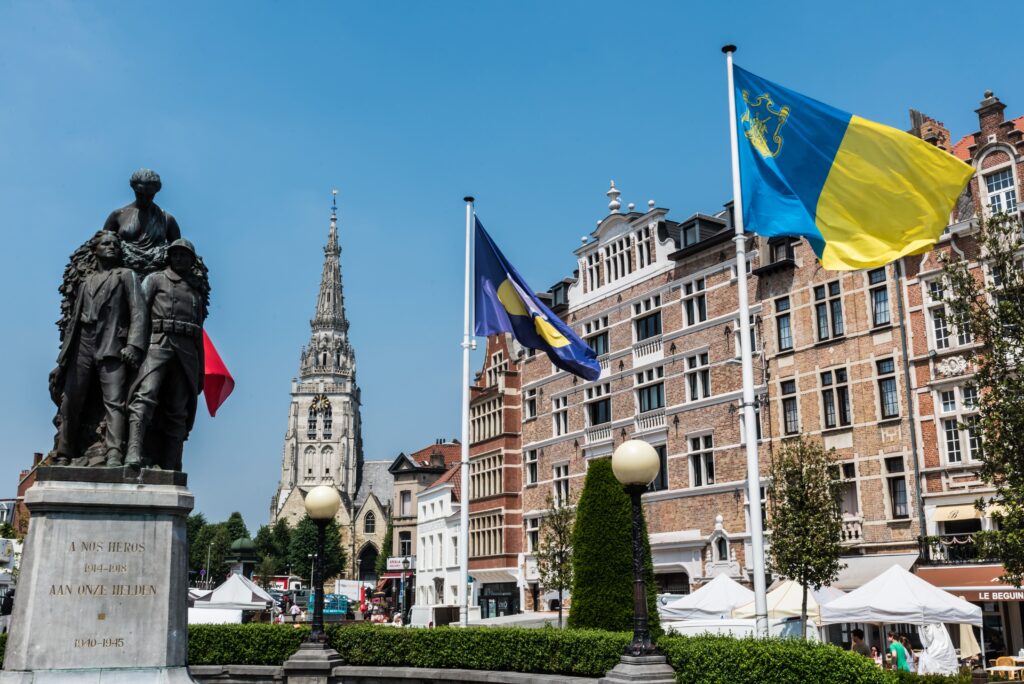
[7, 531]
[193, 524]
[381, 566]
[272, 542]
[303, 545]
[213, 542]
[602, 558]
[236, 526]
[265, 570]
[806, 523]
[554, 552]
[988, 304]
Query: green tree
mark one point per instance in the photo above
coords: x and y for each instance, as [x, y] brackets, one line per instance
[602, 557]
[265, 570]
[213, 542]
[272, 542]
[193, 524]
[806, 523]
[303, 545]
[236, 526]
[554, 551]
[7, 531]
[381, 566]
[983, 291]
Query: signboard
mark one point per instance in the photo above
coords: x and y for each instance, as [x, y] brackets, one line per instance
[1009, 594]
[395, 563]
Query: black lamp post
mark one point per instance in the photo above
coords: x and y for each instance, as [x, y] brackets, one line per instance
[322, 504]
[405, 571]
[636, 464]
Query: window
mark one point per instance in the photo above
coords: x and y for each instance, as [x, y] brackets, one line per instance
[783, 324]
[695, 302]
[790, 409]
[753, 337]
[617, 261]
[497, 368]
[702, 461]
[599, 404]
[530, 404]
[405, 543]
[757, 423]
[648, 325]
[643, 247]
[311, 423]
[485, 419]
[698, 376]
[941, 329]
[650, 389]
[835, 398]
[1002, 195]
[880, 314]
[328, 421]
[596, 334]
[960, 433]
[369, 523]
[828, 309]
[594, 270]
[405, 503]
[531, 466]
[560, 415]
[661, 481]
[485, 535]
[780, 250]
[846, 473]
[887, 397]
[897, 487]
[485, 476]
[532, 535]
[691, 234]
[560, 482]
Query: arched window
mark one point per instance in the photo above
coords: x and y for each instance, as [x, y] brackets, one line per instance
[308, 464]
[311, 424]
[327, 420]
[326, 460]
[722, 547]
[370, 523]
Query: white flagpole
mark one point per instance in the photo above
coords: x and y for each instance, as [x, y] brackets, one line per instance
[467, 345]
[746, 355]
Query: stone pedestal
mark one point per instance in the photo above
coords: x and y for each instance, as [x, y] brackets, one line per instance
[102, 593]
[313, 663]
[653, 669]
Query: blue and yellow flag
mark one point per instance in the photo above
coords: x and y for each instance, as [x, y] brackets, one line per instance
[863, 194]
[505, 303]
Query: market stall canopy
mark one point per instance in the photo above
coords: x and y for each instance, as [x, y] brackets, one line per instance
[897, 596]
[785, 601]
[237, 593]
[715, 600]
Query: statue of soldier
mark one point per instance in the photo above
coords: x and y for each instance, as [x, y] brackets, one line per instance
[105, 331]
[164, 394]
[144, 228]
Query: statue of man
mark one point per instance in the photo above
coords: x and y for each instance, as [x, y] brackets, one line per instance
[144, 228]
[170, 379]
[106, 330]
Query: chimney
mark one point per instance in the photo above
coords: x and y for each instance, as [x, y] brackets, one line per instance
[36, 458]
[990, 115]
[929, 130]
[437, 459]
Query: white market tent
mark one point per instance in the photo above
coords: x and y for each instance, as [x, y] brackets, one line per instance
[784, 601]
[897, 596]
[237, 593]
[714, 601]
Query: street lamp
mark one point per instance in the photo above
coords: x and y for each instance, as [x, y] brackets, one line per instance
[636, 464]
[322, 504]
[405, 569]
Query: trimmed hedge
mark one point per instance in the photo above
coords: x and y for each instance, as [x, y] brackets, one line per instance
[253, 644]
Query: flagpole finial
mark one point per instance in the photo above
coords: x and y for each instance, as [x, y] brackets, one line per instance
[468, 198]
[728, 48]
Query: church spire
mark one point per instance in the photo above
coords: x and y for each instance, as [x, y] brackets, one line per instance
[329, 352]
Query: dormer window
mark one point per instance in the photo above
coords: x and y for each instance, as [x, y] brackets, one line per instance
[691, 234]
[780, 250]
[644, 249]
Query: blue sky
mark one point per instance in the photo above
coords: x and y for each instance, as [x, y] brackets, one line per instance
[253, 111]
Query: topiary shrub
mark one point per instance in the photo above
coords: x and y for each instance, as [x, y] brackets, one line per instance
[602, 557]
[254, 644]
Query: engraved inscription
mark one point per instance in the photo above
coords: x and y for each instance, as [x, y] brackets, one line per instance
[100, 642]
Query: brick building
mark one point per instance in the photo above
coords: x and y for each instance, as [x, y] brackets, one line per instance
[941, 364]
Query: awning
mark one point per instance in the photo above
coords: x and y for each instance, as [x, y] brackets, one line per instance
[860, 570]
[397, 575]
[973, 583]
[494, 576]
[961, 512]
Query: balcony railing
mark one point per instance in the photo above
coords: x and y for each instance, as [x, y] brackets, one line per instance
[853, 530]
[648, 350]
[651, 420]
[602, 433]
[954, 549]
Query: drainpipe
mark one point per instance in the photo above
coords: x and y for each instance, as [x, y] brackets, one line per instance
[897, 267]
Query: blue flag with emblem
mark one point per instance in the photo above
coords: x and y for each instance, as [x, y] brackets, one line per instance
[505, 303]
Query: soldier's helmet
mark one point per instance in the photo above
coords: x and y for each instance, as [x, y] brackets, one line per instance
[183, 244]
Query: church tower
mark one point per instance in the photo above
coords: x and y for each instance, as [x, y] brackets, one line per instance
[323, 443]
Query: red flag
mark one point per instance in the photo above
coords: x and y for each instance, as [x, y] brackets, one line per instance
[218, 383]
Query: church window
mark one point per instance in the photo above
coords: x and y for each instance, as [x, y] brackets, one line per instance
[328, 420]
[310, 453]
[370, 523]
[311, 424]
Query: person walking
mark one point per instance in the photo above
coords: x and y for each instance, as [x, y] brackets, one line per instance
[897, 653]
[857, 644]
